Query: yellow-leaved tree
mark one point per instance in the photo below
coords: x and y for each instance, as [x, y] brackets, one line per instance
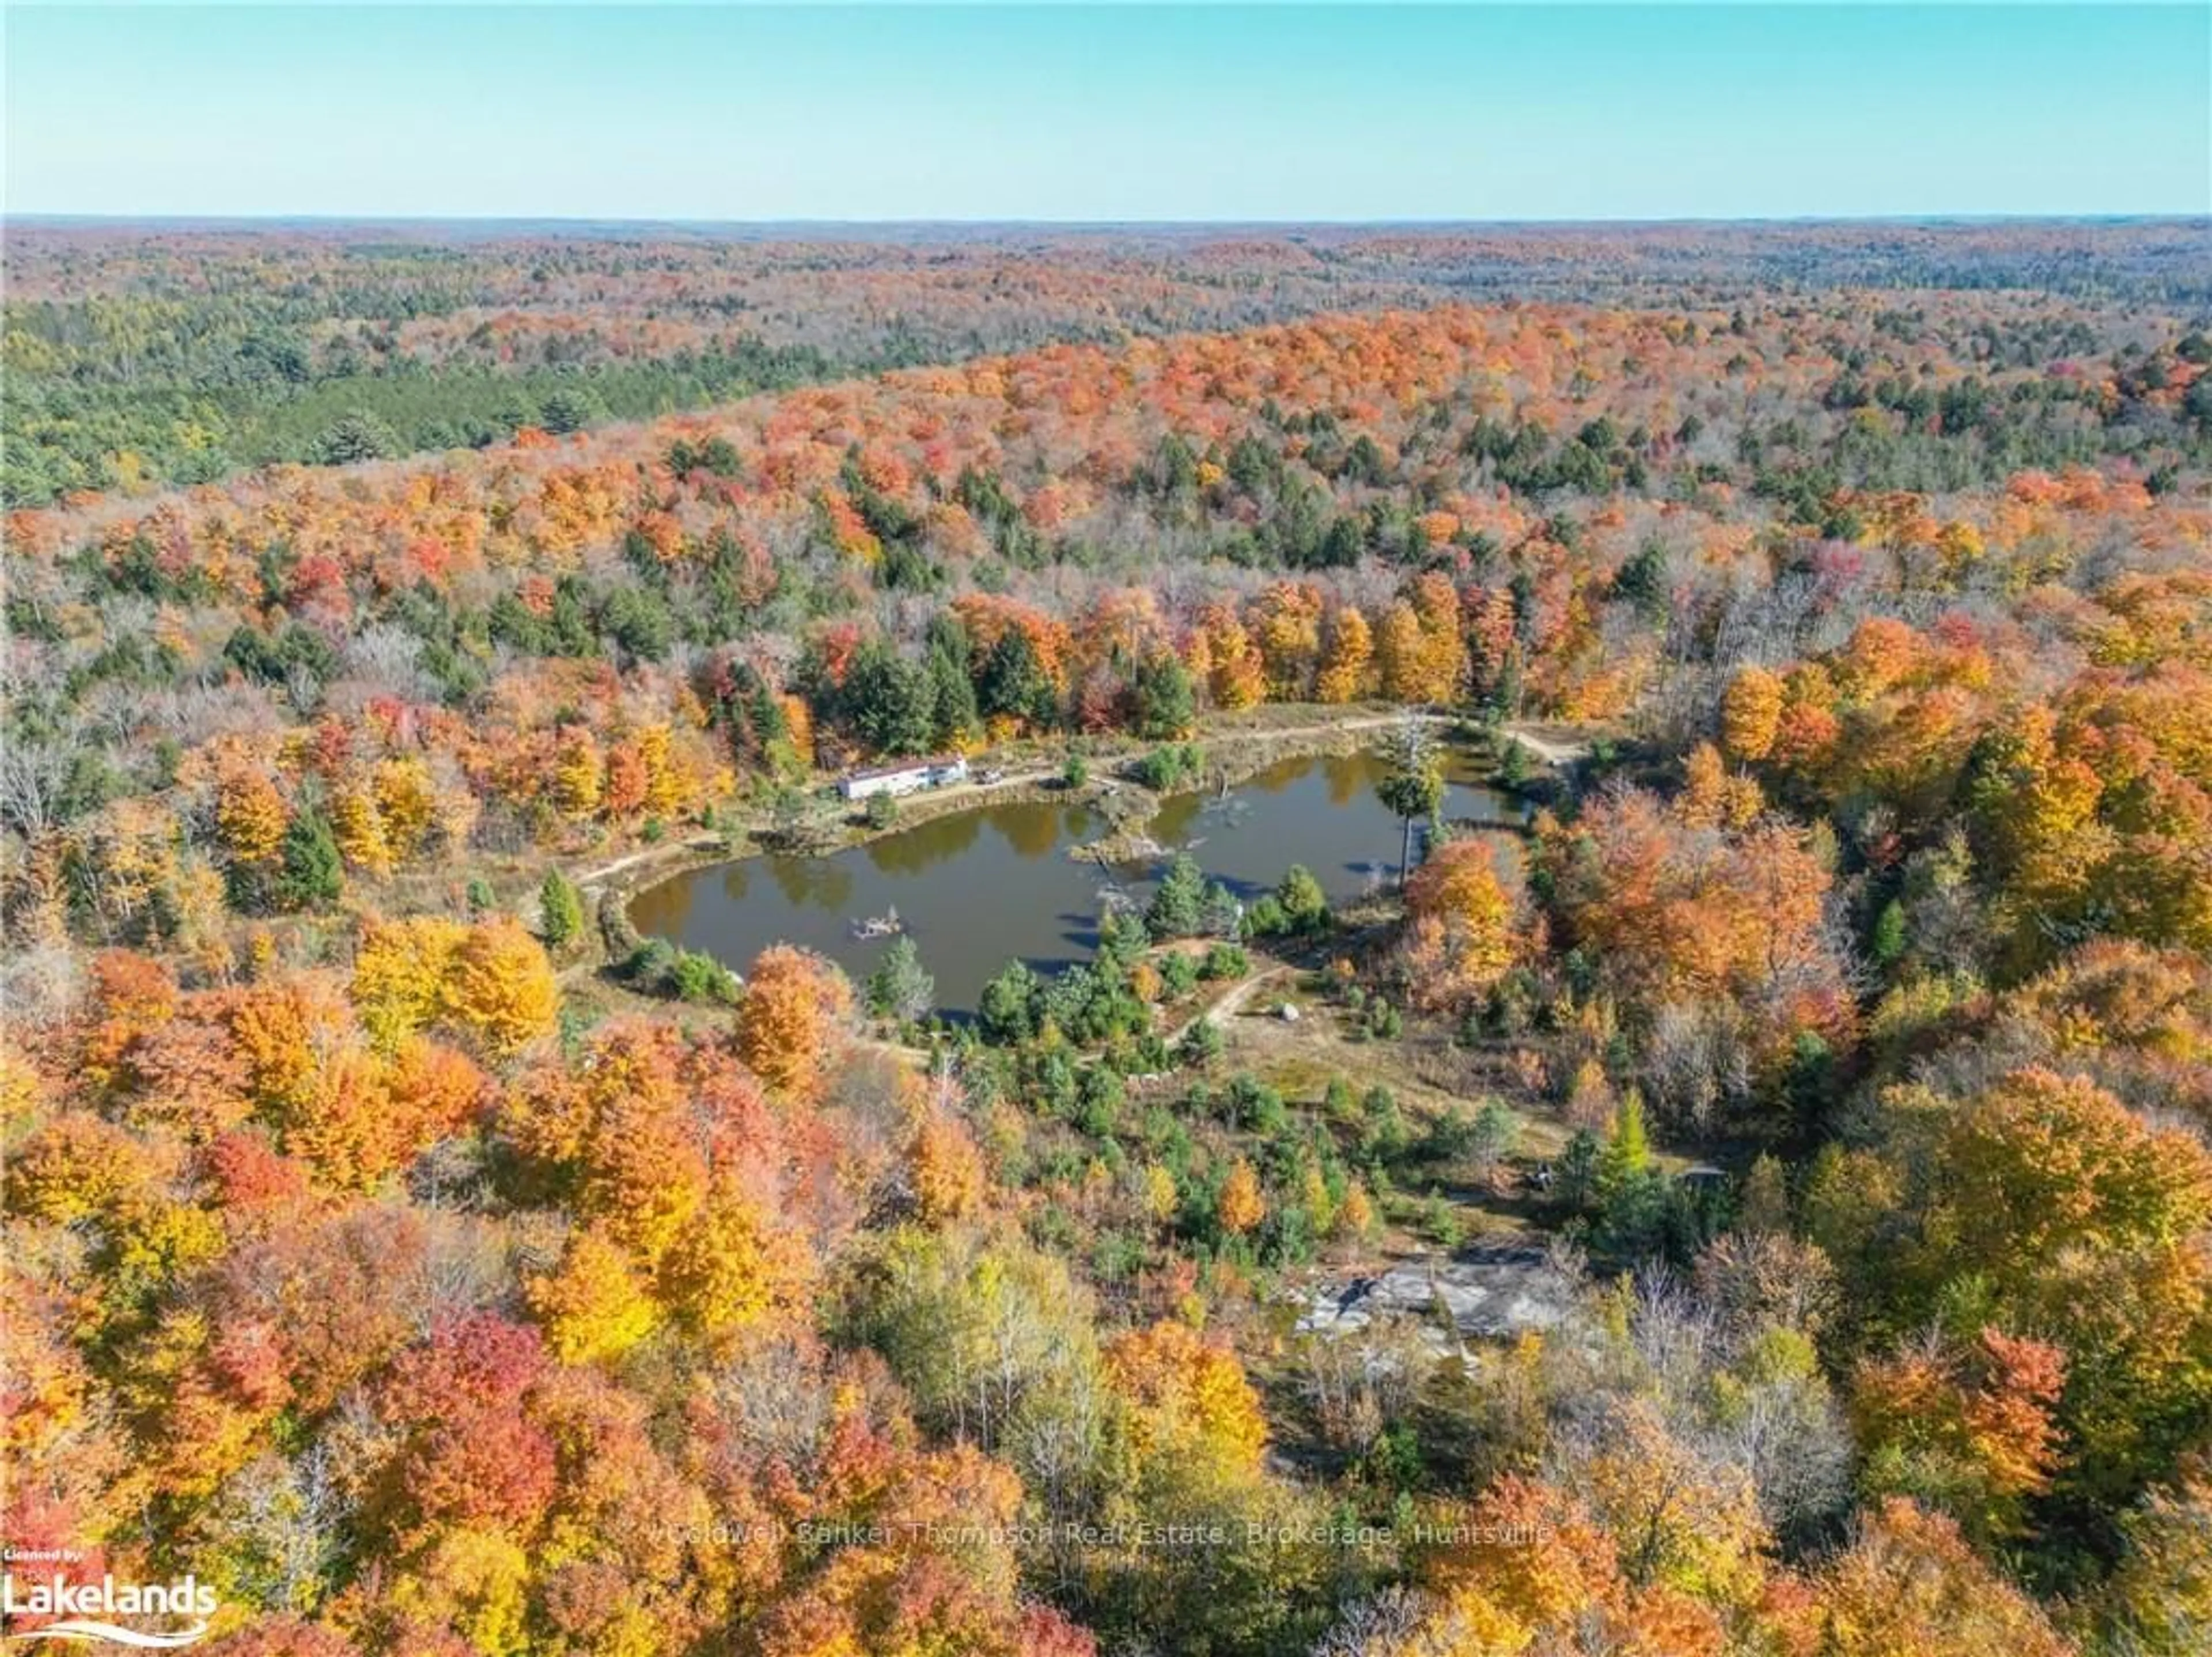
[594, 1306]
[500, 986]
[795, 1002]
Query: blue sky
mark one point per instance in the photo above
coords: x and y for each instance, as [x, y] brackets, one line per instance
[1112, 112]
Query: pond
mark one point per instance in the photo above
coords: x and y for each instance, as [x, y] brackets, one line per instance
[975, 889]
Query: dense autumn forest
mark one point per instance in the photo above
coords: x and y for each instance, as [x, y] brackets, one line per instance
[134, 359]
[404, 1246]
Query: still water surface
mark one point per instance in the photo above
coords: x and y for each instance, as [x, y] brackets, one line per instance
[978, 889]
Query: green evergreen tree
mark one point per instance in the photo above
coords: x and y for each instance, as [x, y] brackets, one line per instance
[1577, 1171]
[357, 434]
[1178, 908]
[1492, 1135]
[1166, 702]
[953, 712]
[901, 988]
[890, 703]
[1006, 1011]
[1014, 683]
[1304, 904]
[560, 910]
[310, 873]
[1412, 787]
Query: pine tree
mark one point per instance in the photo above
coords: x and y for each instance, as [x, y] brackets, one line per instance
[1412, 787]
[953, 716]
[901, 988]
[310, 873]
[561, 910]
[1166, 702]
[1178, 908]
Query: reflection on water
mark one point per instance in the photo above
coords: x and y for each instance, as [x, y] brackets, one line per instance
[1035, 830]
[974, 901]
[924, 846]
[1346, 777]
[812, 882]
[1172, 825]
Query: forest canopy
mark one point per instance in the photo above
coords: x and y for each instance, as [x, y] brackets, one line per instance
[403, 1245]
[182, 355]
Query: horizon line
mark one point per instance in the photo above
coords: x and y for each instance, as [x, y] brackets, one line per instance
[1962, 215]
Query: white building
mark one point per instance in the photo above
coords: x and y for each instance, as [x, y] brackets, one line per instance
[935, 772]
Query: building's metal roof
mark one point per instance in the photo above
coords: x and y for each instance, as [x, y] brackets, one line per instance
[935, 762]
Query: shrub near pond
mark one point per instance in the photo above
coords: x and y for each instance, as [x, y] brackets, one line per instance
[1296, 908]
[660, 968]
[1165, 769]
[1087, 1004]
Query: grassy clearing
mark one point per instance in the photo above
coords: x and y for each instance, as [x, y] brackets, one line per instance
[1431, 1075]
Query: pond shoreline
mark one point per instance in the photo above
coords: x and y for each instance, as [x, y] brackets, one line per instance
[1258, 748]
[1117, 811]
